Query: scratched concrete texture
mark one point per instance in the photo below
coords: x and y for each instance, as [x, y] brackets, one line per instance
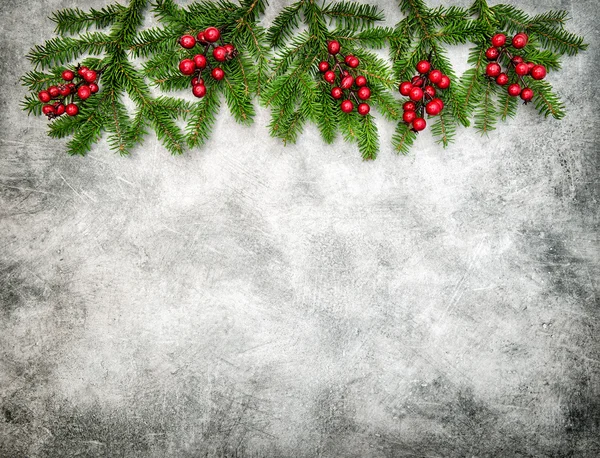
[253, 300]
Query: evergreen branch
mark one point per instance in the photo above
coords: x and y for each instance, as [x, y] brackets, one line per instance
[328, 121]
[61, 50]
[37, 80]
[284, 24]
[508, 105]
[546, 58]
[154, 41]
[128, 22]
[202, 118]
[546, 101]
[374, 37]
[403, 138]
[485, 112]
[63, 127]
[89, 128]
[120, 127]
[353, 15]
[368, 139]
[444, 128]
[471, 85]
[558, 39]
[237, 95]
[385, 103]
[74, 20]
[31, 105]
[550, 18]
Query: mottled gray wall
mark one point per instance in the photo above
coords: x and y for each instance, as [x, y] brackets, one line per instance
[250, 299]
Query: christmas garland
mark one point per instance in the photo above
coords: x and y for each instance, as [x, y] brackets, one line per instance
[315, 64]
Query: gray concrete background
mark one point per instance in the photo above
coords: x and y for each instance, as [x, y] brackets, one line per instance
[250, 299]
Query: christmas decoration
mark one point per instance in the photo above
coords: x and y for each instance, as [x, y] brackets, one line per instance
[323, 71]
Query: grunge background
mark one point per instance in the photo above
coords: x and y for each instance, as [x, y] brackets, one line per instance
[255, 300]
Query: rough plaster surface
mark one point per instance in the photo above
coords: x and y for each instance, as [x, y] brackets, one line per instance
[250, 299]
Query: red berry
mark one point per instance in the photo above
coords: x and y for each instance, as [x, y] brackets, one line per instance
[90, 76]
[94, 88]
[416, 94]
[59, 109]
[354, 62]
[492, 53]
[433, 108]
[218, 73]
[440, 102]
[64, 90]
[405, 88]
[423, 66]
[44, 96]
[499, 40]
[502, 79]
[435, 76]
[520, 40]
[187, 67]
[212, 34]
[364, 93]
[444, 82]
[336, 92]
[360, 81]
[72, 109]
[348, 58]
[409, 106]
[329, 77]
[53, 91]
[84, 92]
[72, 87]
[521, 69]
[409, 116]
[229, 48]
[199, 90]
[347, 106]
[68, 75]
[200, 37]
[200, 81]
[220, 54]
[527, 94]
[538, 72]
[493, 70]
[419, 124]
[417, 81]
[48, 110]
[187, 41]
[517, 60]
[333, 47]
[430, 91]
[323, 66]
[530, 66]
[81, 71]
[347, 82]
[200, 61]
[363, 109]
[194, 81]
[514, 90]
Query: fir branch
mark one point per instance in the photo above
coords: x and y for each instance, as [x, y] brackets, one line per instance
[486, 114]
[507, 105]
[74, 20]
[368, 139]
[353, 15]
[403, 138]
[546, 101]
[201, 119]
[284, 24]
[61, 50]
[443, 128]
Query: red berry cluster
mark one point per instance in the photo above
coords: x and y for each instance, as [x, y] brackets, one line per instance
[194, 67]
[423, 95]
[521, 69]
[349, 86]
[82, 83]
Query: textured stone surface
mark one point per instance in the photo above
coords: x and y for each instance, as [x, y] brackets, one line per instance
[250, 299]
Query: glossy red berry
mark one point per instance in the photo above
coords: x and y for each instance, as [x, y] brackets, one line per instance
[94, 88]
[405, 88]
[499, 40]
[444, 82]
[493, 70]
[416, 94]
[363, 109]
[514, 90]
[68, 75]
[329, 77]
[218, 73]
[429, 90]
[333, 47]
[517, 60]
[212, 34]
[64, 91]
[53, 91]
[419, 124]
[81, 71]
[59, 109]
[200, 37]
[187, 41]
[520, 40]
[530, 66]
[538, 72]
[348, 58]
[220, 54]
[90, 76]
[502, 79]
[527, 94]
[72, 87]
[409, 116]
[337, 93]
[423, 66]
[433, 108]
[347, 106]
[435, 76]
[409, 106]
[417, 81]
[48, 110]
[492, 53]
[364, 93]
[194, 81]
[360, 81]
[44, 96]
[347, 82]
[354, 62]
[440, 102]
[84, 92]
[199, 90]
[200, 61]
[323, 66]
[521, 69]
[229, 48]
[71, 109]
[187, 67]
